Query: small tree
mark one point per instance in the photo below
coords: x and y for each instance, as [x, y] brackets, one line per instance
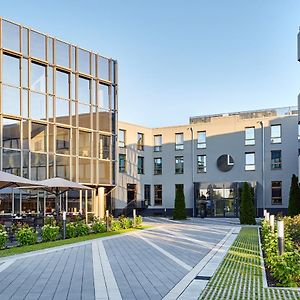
[179, 212]
[247, 210]
[294, 198]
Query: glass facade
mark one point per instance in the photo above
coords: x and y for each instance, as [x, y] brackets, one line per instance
[58, 112]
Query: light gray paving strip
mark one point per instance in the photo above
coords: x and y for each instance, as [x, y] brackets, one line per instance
[6, 264]
[88, 289]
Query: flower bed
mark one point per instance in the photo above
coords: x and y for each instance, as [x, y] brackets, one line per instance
[283, 270]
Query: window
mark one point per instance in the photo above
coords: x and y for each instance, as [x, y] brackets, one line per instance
[122, 163]
[104, 146]
[147, 194]
[275, 159]
[179, 165]
[38, 77]
[103, 96]
[38, 106]
[249, 136]
[62, 54]
[157, 166]
[103, 68]
[62, 84]
[37, 45]
[62, 140]
[84, 143]
[201, 140]
[140, 165]
[275, 134]
[11, 103]
[11, 70]
[250, 161]
[179, 141]
[39, 135]
[122, 138]
[157, 143]
[276, 192]
[84, 90]
[140, 141]
[157, 194]
[83, 61]
[11, 137]
[10, 36]
[201, 164]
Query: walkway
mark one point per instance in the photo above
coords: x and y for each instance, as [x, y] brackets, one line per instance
[150, 264]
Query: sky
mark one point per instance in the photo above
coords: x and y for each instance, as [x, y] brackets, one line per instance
[181, 58]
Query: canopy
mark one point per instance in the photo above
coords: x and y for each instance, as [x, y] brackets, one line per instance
[10, 180]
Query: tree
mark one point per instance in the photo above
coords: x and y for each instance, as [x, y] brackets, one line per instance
[179, 212]
[247, 210]
[294, 199]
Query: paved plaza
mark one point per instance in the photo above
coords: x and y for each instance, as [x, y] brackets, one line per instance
[160, 262]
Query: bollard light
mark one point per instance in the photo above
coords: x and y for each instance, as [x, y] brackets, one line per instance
[134, 217]
[64, 224]
[272, 224]
[267, 216]
[280, 234]
[265, 211]
[107, 219]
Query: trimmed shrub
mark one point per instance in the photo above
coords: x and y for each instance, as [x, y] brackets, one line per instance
[294, 198]
[125, 222]
[49, 220]
[247, 210]
[179, 212]
[70, 230]
[82, 228]
[98, 227]
[26, 236]
[50, 233]
[3, 238]
[115, 226]
[138, 221]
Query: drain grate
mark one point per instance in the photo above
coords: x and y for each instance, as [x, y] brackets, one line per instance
[199, 277]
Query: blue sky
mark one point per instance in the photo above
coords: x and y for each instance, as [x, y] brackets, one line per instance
[182, 58]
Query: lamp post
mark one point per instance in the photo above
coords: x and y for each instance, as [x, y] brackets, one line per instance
[64, 224]
[272, 223]
[280, 235]
[263, 163]
[192, 161]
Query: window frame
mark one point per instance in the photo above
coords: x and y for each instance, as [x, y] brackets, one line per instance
[122, 169]
[201, 168]
[157, 148]
[276, 139]
[155, 170]
[276, 188]
[250, 141]
[276, 165]
[122, 144]
[180, 146]
[251, 166]
[201, 145]
[158, 189]
[179, 171]
[141, 168]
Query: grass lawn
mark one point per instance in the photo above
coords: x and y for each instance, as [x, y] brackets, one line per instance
[240, 274]
[41, 246]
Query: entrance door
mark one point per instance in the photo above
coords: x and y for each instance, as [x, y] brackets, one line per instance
[131, 193]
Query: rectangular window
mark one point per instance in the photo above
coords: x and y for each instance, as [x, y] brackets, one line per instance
[140, 165]
[11, 137]
[157, 194]
[250, 161]
[84, 90]
[11, 70]
[179, 141]
[249, 136]
[179, 165]
[103, 94]
[122, 163]
[104, 146]
[37, 45]
[39, 136]
[157, 143]
[62, 84]
[11, 100]
[122, 138]
[147, 194]
[84, 143]
[140, 141]
[201, 164]
[201, 140]
[62, 55]
[10, 36]
[275, 134]
[38, 77]
[157, 166]
[63, 140]
[276, 192]
[275, 159]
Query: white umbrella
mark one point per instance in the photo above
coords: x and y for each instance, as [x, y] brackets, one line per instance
[10, 180]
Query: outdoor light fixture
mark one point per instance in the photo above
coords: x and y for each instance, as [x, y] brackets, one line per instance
[280, 234]
[272, 220]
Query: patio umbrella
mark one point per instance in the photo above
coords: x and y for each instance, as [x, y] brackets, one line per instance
[57, 186]
[10, 180]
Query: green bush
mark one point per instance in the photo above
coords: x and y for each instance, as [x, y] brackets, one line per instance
[115, 225]
[70, 230]
[138, 221]
[286, 268]
[3, 238]
[98, 227]
[82, 228]
[49, 220]
[179, 212]
[294, 197]
[50, 233]
[125, 222]
[26, 236]
[247, 210]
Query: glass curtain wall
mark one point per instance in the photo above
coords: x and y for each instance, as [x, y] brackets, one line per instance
[58, 112]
